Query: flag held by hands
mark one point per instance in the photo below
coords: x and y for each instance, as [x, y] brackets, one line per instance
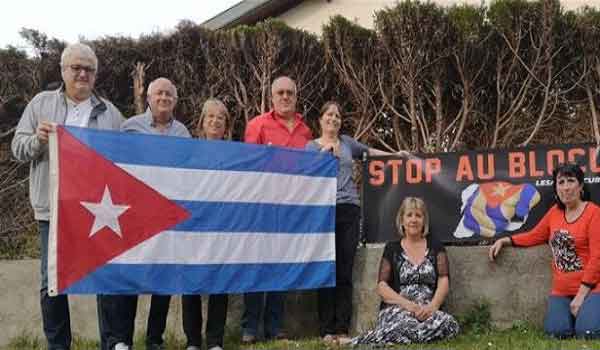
[136, 213]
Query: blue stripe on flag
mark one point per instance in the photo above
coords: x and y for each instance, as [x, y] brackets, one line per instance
[203, 279]
[178, 152]
[526, 195]
[497, 217]
[470, 221]
[256, 217]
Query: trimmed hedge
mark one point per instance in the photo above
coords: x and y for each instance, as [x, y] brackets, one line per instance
[427, 78]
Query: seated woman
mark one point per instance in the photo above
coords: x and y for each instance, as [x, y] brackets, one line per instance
[572, 229]
[413, 283]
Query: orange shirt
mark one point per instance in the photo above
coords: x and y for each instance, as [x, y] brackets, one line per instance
[575, 248]
[269, 128]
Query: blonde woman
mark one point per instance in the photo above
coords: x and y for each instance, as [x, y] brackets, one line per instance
[213, 124]
[413, 283]
[214, 121]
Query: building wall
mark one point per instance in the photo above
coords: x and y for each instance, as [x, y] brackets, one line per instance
[310, 15]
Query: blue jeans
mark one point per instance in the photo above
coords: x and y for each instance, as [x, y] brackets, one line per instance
[272, 302]
[55, 310]
[560, 323]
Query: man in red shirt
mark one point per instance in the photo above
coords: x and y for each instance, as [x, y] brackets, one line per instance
[281, 126]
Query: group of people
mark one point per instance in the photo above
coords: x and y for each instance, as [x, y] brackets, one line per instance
[414, 270]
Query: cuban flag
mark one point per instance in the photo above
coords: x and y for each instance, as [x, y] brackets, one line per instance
[137, 214]
[491, 208]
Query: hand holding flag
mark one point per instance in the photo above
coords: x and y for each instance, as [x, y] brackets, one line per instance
[134, 213]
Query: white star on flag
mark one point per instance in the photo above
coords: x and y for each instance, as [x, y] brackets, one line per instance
[500, 190]
[106, 213]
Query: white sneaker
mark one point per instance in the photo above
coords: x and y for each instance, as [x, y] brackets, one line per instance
[191, 347]
[215, 348]
[121, 346]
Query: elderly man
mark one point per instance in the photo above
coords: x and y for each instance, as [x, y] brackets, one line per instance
[281, 126]
[75, 104]
[158, 120]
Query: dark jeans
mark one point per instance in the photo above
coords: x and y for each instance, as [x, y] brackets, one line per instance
[560, 323]
[55, 310]
[121, 311]
[272, 303]
[335, 304]
[56, 318]
[119, 318]
[107, 331]
[157, 319]
[215, 322]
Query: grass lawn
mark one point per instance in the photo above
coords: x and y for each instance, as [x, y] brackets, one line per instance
[517, 338]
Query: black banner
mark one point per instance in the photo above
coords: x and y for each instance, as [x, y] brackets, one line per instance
[471, 195]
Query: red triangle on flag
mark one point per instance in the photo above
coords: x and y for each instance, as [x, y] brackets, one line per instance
[497, 192]
[84, 176]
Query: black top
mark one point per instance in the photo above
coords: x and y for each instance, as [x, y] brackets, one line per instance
[393, 258]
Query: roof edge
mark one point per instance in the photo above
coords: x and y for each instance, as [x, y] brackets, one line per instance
[249, 12]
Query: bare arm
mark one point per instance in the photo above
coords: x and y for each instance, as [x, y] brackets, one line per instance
[443, 286]
[497, 247]
[579, 298]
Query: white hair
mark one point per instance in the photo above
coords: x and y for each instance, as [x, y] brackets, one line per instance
[283, 77]
[151, 86]
[78, 50]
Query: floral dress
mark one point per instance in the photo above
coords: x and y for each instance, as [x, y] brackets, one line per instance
[417, 283]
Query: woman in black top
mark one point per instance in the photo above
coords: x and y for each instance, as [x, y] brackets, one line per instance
[413, 283]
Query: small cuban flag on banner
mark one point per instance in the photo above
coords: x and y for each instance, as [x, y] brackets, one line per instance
[137, 214]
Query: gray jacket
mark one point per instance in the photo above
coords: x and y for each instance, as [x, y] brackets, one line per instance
[51, 106]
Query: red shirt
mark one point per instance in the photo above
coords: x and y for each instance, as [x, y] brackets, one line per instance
[575, 248]
[271, 129]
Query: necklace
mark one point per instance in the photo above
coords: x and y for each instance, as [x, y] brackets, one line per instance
[574, 214]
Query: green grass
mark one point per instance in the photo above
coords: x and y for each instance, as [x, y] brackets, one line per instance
[520, 337]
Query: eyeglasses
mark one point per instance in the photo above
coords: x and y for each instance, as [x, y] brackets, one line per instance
[285, 92]
[86, 69]
[219, 117]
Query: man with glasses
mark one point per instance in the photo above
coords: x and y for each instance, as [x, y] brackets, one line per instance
[284, 127]
[74, 104]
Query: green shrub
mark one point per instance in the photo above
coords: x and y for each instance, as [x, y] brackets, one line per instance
[478, 319]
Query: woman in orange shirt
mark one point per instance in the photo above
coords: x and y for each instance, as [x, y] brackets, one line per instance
[572, 229]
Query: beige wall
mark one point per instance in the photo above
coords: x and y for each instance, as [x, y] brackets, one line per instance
[310, 15]
[474, 280]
